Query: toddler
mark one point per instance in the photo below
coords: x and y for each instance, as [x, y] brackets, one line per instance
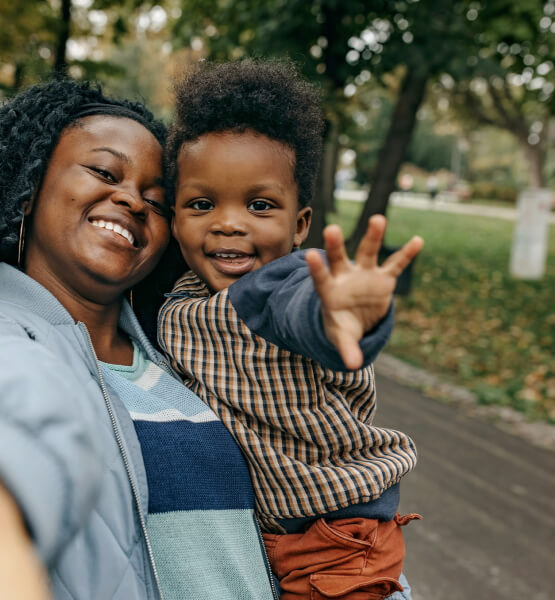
[279, 344]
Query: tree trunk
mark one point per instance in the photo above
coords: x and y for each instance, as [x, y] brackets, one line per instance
[324, 200]
[60, 63]
[315, 238]
[334, 58]
[19, 74]
[536, 158]
[392, 151]
[326, 179]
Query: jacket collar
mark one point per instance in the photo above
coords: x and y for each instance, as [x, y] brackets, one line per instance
[18, 288]
[23, 291]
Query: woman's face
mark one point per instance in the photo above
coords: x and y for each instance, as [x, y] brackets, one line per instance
[99, 223]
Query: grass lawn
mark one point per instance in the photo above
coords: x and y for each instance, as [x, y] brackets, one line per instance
[466, 318]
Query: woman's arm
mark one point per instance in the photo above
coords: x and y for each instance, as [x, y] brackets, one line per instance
[50, 453]
[22, 576]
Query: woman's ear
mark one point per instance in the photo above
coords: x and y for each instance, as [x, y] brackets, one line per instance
[27, 206]
[304, 216]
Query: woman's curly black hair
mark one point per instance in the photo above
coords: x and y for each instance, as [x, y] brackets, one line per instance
[266, 96]
[30, 127]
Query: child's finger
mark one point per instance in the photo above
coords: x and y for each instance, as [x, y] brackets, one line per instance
[350, 351]
[397, 262]
[317, 268]
[335, 249]
[367, 251]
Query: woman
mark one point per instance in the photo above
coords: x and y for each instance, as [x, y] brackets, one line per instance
[83, 220]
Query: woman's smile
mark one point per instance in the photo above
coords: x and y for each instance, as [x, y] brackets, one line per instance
[115, 228]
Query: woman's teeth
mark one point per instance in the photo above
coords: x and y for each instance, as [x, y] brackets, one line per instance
[117, 228]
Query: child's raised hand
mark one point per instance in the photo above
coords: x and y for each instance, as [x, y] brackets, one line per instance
[356, 296]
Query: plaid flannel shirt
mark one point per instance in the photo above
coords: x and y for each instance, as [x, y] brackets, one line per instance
[306, 430]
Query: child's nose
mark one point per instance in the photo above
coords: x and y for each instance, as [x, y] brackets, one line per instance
[228, 222]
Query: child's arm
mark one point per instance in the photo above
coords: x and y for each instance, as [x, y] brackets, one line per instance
[280, 302]
[356, 296]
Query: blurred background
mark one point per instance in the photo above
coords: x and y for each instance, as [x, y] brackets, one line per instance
[440, 114]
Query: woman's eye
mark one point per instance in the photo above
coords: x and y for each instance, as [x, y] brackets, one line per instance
[259, 205]
[158, 207]
[201, 205]
[104, 174]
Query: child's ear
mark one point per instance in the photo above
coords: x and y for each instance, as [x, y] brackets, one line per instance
[304, 216]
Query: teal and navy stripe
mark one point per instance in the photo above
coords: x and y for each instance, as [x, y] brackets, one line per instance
[201, 521]
[305, 429]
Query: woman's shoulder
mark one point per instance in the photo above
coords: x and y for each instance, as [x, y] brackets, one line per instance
[24, 299]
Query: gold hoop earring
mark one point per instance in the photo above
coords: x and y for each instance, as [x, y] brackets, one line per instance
[21, 243]
[131, 299]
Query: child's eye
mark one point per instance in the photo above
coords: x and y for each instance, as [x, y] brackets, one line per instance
[201, 204]
[104, 174]
[259, 205]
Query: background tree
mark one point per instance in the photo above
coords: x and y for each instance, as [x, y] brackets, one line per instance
[508, 80]
[27, 42]
[492, 61]
[313, 33]
[421, 40]
[337, 43]
[433, 141]
[37, 35]
[63, 32]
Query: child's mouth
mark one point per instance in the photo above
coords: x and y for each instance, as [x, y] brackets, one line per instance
[232, 263]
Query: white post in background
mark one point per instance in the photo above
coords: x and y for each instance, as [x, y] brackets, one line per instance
[529, 249]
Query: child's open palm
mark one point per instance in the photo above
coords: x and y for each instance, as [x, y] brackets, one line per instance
[356, 295]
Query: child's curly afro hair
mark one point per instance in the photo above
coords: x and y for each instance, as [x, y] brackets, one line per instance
[30, 127]
[265, 96]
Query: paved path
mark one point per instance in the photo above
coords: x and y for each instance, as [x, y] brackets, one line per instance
[442, 203]
[488, 501]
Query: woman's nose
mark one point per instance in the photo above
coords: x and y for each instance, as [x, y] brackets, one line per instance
[131, 198]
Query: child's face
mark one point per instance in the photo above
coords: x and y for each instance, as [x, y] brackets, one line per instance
[236, 205]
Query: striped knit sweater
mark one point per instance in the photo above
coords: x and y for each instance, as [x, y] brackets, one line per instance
[305, 429]
[201, 523]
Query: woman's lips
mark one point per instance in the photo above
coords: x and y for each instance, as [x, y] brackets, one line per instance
[232, 263]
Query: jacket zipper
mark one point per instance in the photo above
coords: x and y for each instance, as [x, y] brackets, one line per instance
[134, 487]
[266, 560]
[123, 453]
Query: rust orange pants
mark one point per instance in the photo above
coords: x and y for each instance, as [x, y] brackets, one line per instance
[344, 559]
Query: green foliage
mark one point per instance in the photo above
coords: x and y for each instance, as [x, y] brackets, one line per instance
[491, 191]
[429, 150]
[466, 317]
[313, 33]
[141, 74]
[27, 43]
[366, 127]
[508, 78]
[334, 41]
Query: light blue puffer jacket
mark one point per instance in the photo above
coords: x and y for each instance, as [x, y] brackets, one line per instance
[68, 451]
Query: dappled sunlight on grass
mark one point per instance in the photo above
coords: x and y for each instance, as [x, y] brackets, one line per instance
[467, 318]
